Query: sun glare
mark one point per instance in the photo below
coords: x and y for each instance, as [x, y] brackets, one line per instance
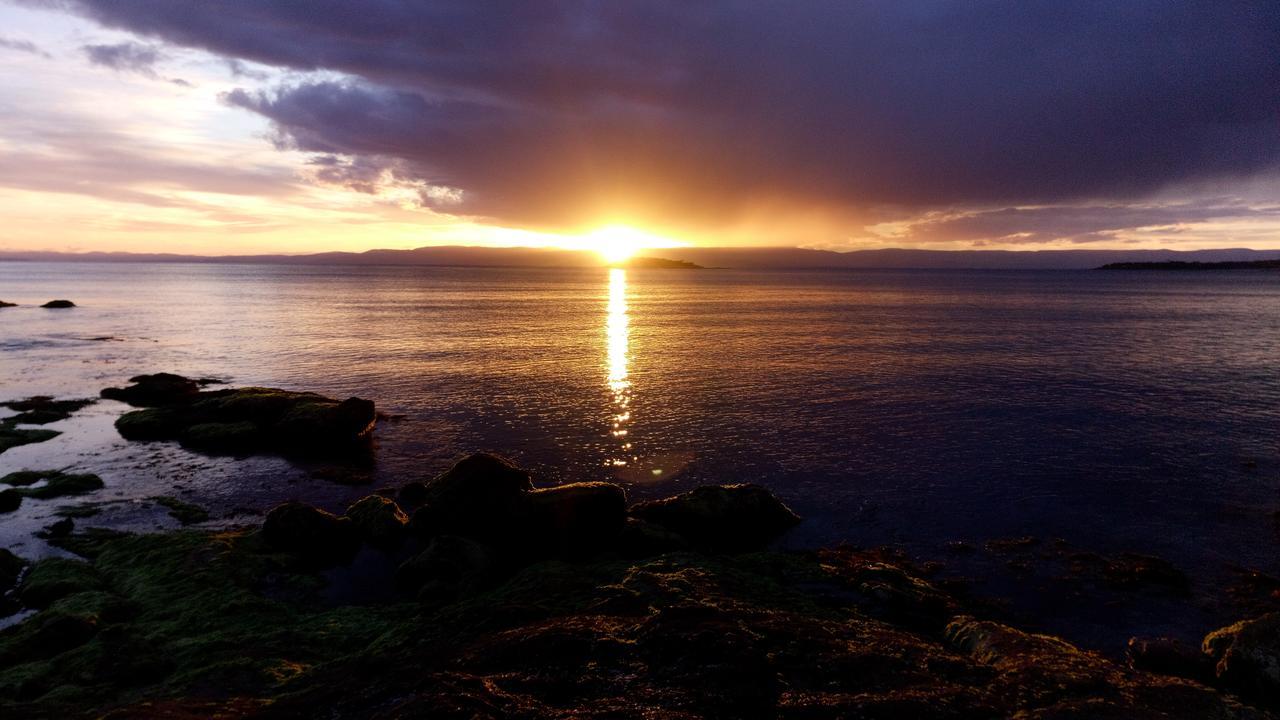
[617, 243]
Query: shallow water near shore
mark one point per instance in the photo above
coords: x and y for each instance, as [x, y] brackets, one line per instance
[1119, 411]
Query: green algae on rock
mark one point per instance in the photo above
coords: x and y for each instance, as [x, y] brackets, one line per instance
[11, 437]
[42, 409]
[183, 512]
[242, 421]
[56, 483]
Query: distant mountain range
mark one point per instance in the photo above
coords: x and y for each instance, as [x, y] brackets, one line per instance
[723, 257]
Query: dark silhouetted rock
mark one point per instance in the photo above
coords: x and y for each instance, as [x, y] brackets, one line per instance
[727, 518]
[1246, 657]
[155, 390]
[42, 410]
[11, 567]
[4, 304]
[311, 533]
[449, 568]
[58, 304]
[480, 497]
[223, 438]
[59, 529]
[10, 500]
[379, 521]
[54, 578]
[641, 539]
[577, 520]
[1168, 656]
[412, 495]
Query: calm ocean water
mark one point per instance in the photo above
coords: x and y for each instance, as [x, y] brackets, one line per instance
[1122, 411]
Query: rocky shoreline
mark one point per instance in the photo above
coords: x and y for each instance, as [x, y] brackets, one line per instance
[477, 593]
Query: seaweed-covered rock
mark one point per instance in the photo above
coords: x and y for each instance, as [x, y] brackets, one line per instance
[56, 483]
[58, 304]
[480, 497]
[578, 519]
[155, 390]
[242, 421]
[311, 533]
[42, 410]
[379, 521]
[1247, 656]
[449, 568]
[55, 578]
[11, 437]
[183, 512]
[727, 518]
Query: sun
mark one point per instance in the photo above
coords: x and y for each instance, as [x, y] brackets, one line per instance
[617, 243]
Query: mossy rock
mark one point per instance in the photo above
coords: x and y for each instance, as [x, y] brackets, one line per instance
[150, 424]
[55, 578]
[183, 512]
[57, 483]
[42, 410]
[224, 438]
[379, 521]
[11, 567]
[12, 437]
[10, 500]
[155, 390]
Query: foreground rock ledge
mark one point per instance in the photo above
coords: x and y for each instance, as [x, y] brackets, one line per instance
[497, 599]
[242, 421]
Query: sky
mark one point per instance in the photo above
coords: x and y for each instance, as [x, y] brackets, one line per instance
[222, 127]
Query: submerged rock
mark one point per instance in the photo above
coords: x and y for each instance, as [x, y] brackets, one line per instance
[311, 533]
[727, 518]
[58, 304]
[56, 483]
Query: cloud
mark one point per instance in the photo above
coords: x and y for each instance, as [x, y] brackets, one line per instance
[25, 46]
[1076, 223]
[558, 113]
[130, 57]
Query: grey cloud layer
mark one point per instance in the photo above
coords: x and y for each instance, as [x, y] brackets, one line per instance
[547, 112]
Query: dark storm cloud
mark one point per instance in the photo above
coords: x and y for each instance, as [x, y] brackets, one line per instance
[546, 112]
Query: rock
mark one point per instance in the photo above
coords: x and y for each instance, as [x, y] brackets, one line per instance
[641, 539]
[1246, 657]
[60, 633]
[42, 410]
[891, 592]
[55, 578]
[576, 520]
[4, 304]
[449, 568]
[56, 483]
[10, 500]
[379, 521]
[155, 390]
[480, 497]
[59, 529]
[311, 533]
[726, 518]
[184, 512]
[242, 421]
[1132, 571]
[311, 423]
[11, 437]
[1167, 656]
[412, 495]
[11, 567]
[222, 438]
[58, 304]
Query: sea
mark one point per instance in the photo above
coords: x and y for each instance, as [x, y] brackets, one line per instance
[1105, 411]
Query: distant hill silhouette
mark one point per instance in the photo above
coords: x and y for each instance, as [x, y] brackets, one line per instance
[1179, 265]
[784, 258]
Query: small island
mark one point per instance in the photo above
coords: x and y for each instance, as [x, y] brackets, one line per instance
[1183, 265]
[659, 263]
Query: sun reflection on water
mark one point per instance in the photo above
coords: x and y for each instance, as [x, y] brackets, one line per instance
[617, 332]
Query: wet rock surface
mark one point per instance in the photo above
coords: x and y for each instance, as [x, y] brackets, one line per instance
[242, 421]
[581, 607]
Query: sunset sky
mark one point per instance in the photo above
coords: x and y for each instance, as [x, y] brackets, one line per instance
[284, 126]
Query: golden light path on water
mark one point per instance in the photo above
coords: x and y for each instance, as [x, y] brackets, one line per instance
[617, 333]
